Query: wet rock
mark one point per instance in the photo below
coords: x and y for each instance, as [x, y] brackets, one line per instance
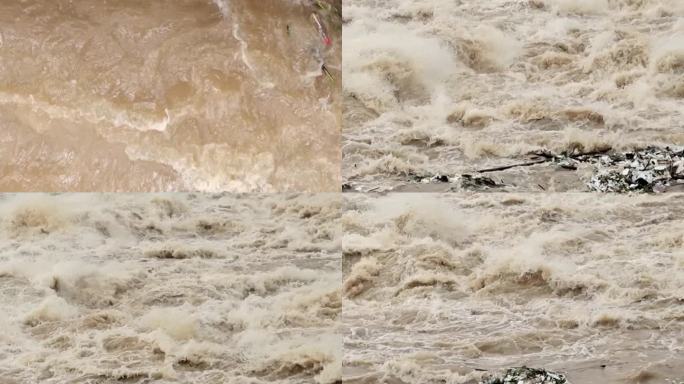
[478, 182]
[568, 164]
[525, 375]
[432, 179]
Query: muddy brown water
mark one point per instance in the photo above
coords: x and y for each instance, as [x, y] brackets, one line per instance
[167, 95]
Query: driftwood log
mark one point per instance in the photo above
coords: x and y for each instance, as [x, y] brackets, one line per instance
[546, 157]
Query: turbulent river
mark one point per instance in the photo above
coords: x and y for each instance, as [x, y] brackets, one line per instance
[446, 87]
[169, 95]
[450, 288]
[215, 107]
[170, 289]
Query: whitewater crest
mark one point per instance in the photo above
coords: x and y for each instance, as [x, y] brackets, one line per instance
[462, 288]
[436, 89]
[139, 288]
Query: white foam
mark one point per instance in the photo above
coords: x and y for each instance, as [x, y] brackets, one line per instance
[52, 309]
[581, 6]
[178, 323]
[224, 7]
[378, 44]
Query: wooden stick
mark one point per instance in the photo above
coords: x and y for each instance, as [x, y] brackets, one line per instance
[593, 153]
[505, 167]
[546, 157]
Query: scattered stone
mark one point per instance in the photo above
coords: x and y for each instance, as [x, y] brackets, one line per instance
[524, 375]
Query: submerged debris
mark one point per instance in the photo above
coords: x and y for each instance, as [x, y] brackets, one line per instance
[524, 375]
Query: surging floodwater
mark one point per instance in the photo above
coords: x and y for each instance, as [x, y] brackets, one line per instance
[446, 87]
[446, 289]
[205, 289]
[168, 95]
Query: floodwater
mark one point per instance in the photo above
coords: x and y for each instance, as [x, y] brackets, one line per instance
[447, 87]
[448, 288]
[168, 95]
[173, 288]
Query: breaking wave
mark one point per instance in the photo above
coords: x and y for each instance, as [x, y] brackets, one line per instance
[170, 288]
[455, 287]
[447, 88]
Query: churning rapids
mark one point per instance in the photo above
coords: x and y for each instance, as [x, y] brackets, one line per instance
[169, 95]
[447, 87]
[446, 289]
[170, 289]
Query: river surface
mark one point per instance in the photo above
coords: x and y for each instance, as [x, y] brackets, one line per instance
[446, 87]
[450, 288]
[172, 288]
[168, 95]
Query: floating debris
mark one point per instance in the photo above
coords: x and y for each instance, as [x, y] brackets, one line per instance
[479, 182]
[441, 178]
[430, 179]
[525, 375]
[326, 71]
[322, 31]
[651, 169]
[505, 167]
[326, 6]
[467, 181]
[568, 163]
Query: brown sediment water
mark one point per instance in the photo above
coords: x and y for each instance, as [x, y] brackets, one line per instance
[162, 288]
[449, 87]
[167, 95]
[449, 288]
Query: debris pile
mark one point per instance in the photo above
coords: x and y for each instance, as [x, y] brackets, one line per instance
[649, 170]
[524, 375]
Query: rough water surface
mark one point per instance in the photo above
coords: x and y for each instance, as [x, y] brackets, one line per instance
[168, 95]
[170, 289]
[446, 87]
[456, 288]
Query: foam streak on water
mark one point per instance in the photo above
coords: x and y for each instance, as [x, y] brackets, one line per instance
[448, 288]
[450, 86]
[169, 289]
[168, 95]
